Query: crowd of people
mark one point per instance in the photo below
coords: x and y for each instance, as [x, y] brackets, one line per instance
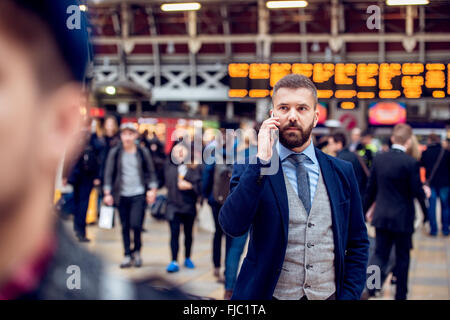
[127, 168]
[389, 179]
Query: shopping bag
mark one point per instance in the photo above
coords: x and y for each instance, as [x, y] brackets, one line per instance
[106, 217]
[91, 215]
[206, 218]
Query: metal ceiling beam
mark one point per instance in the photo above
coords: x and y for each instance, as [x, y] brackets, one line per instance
[303, 44]
[226, 30]
[155, 46]
[285, 37]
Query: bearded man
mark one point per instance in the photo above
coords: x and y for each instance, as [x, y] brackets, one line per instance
[308, 239]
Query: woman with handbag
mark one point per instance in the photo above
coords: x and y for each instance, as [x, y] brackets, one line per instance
[183, 181]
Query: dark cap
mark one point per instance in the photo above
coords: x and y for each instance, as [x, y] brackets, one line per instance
[73, 43]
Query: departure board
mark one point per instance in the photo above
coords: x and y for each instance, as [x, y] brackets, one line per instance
[345, 80]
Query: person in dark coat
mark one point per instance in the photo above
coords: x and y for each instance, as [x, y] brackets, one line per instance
[110, 139]
[83, 177]
[337, 143]
[394, 183]
[183, 182]
[437, 156]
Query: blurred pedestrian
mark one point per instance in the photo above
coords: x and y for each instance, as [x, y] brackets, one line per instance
[394, 183]
[355, 139]
[111, 139]
[130, 182]
[216, 178]
[246, 149]
[367, 149]
[337, 144]
[156, 148]
[83, 177]
[436, 161]
[183, 182]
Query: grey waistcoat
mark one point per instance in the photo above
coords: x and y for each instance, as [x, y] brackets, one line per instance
[308, 266]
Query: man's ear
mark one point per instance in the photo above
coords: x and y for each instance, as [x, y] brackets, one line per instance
[316, 115]
[62, 122]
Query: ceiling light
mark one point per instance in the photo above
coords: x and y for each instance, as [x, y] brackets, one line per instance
[406, 2]
[111, 90]
[286, 4]
[188, 6]
[83, 7]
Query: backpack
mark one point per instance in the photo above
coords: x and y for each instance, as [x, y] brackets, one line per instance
[221, 184]
[159, 207]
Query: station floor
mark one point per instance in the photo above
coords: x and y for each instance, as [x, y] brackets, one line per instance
[429, 276]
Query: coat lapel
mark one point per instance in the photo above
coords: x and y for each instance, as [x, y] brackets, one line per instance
[334, 193]
[280, 192]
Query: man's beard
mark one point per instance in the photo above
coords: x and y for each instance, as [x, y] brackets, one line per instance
[295, 139]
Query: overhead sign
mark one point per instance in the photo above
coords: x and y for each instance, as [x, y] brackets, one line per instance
[345, 80]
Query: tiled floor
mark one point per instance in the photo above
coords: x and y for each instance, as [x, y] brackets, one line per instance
[429, 276]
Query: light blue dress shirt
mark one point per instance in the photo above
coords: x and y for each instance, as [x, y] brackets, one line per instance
[311, 164]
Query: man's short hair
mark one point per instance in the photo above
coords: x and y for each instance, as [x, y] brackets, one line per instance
[401, 133]
[434, 138]
[340, 137]
[296, 81]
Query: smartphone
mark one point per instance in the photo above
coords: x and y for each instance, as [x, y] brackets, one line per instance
[273, 134]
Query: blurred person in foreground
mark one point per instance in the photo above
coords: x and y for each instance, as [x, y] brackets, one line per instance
[436, 160]
[42, 65]
[308, 239]
[394, 183]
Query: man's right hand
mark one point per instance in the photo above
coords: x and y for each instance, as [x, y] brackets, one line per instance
[108, 200]
[266, 139]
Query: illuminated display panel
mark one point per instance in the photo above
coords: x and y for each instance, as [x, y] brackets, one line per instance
[387, 113]
[345, 80]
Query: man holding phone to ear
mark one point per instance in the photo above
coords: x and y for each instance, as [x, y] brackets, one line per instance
[308, 239]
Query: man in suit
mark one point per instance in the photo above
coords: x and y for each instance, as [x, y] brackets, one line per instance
[394, 183]
[308, 239]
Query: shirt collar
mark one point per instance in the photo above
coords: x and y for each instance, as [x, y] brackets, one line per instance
[285, 152]
[398, 147]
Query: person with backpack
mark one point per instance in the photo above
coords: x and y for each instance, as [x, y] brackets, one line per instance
[215, 188]
[247, 149]
[182, 179]
[130, 182]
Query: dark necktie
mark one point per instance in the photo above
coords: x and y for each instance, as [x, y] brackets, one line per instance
[298, 160]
